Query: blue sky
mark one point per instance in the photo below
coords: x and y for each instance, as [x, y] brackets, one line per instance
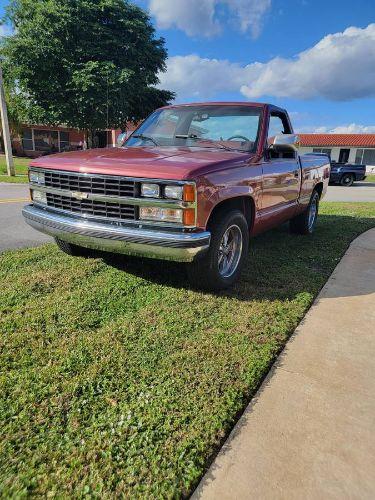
[213, 45]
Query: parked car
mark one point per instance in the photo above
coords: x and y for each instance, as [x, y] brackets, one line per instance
[193, 184]
[346, 174]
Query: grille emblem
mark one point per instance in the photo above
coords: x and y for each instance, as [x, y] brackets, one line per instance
[79, 196]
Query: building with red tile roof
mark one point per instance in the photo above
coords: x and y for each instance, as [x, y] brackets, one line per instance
[338, 140]
[343, 148]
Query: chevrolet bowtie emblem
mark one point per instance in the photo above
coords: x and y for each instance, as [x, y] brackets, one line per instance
[79, 196]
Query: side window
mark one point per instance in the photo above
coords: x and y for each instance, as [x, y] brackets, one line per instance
[276, 127]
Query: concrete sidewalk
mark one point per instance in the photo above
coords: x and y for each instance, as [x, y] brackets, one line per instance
[309, 433]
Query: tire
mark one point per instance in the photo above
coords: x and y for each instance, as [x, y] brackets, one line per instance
[305, 222]
[73, 250]
[347, 180]
[229, 245]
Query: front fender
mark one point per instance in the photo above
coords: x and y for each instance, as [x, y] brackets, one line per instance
[226, 194]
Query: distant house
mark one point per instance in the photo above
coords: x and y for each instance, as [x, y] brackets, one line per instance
[345, 148]
[37, 140]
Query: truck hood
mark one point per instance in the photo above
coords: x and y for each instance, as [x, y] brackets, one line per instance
[145, 162]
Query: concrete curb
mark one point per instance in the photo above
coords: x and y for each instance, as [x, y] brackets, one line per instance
[309, 431]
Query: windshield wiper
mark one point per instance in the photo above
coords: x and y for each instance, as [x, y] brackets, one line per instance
[203, 139]
[144, 137]
[187, 136]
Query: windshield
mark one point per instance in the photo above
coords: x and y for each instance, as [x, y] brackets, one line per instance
[216, 126]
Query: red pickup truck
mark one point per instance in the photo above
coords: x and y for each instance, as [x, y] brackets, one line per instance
[192, 184]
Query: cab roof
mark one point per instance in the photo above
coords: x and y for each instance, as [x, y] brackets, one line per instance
[264, 105]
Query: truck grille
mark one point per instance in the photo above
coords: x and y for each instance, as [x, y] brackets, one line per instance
[91, 207]
[90, 184]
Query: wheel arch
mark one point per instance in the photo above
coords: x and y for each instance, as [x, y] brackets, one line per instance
[319, 188]
[244, 204]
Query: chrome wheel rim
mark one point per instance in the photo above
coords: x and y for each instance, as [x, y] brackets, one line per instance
[347, 180]
[312, 213]
[230, 251]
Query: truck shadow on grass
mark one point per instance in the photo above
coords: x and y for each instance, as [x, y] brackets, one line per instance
[280, 265]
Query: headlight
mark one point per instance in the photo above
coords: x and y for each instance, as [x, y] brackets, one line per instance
[173, 192]
[150, 190]
[39, 196]
[160, 214]
[185, 192]
[37, 177]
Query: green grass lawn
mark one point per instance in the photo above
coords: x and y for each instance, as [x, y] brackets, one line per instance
[370, 178]
[20, 165]
[118, 380]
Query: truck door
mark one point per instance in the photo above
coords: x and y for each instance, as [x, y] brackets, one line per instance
[281, 175]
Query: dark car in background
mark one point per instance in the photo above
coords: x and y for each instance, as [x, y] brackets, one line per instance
[346, 174]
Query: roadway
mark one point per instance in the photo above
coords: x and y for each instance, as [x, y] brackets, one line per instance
[360, 191]
[15, 233]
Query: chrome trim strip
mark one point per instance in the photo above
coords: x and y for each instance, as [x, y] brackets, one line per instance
[125, 200]
[182, 247]
[113, 220]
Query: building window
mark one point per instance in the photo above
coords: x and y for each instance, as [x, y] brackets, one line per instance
[27, 139]
[46, 140]
[369, 157]
[64, 141]
[365, 156]
[323, 150]
[359, 156]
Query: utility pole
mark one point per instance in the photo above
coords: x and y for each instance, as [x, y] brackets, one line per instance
[6, 132]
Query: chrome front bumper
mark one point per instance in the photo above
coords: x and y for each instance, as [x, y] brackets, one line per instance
[176, 246]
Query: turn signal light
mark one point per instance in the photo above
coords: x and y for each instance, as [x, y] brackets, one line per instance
[189, 192]
[189, 217]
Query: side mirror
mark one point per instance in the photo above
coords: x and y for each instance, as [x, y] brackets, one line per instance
[286, 142]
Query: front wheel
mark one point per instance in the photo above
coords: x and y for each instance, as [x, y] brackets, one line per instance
[305, 222]
[222, 265]
[347, 180]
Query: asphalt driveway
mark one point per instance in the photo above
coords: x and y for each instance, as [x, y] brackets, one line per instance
[14, 232]
[360, 191]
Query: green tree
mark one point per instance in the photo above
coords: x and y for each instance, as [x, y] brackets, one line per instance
[90, 64]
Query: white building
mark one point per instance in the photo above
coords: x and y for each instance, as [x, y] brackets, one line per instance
[343, 148]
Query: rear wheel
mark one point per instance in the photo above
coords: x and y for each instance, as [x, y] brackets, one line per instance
[347, 180]
[305, 222]
[71, 249]
[223, 263]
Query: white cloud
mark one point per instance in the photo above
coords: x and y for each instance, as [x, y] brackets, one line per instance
[195, 17]
[202, 17]
[192, 76]
[249, 14]
[352, 128]
[339, 67]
